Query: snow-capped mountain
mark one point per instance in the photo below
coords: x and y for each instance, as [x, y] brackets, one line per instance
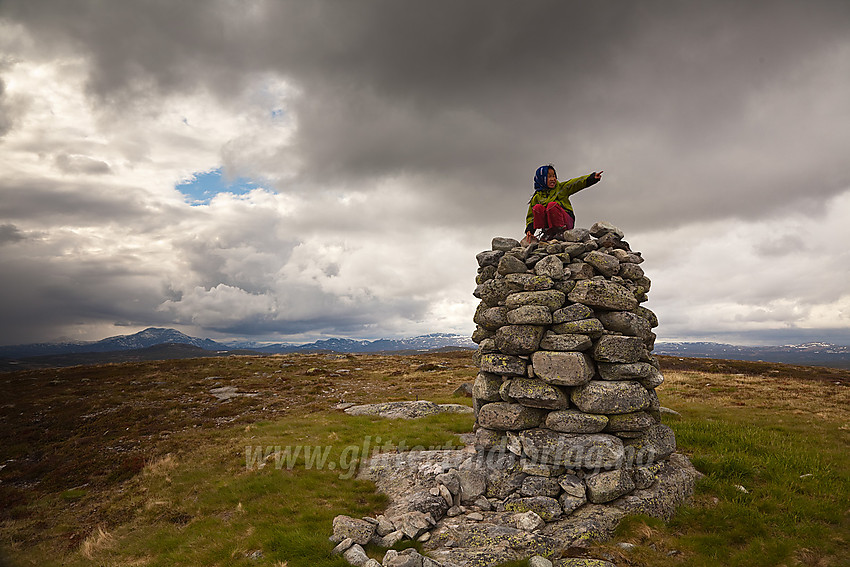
[153, 336]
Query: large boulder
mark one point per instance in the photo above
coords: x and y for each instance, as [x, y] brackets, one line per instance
[360, 531]
[537, 393]
[486, 387]
[591, 327]
[569, 343]
[609, 485]
[563, 368]
[656, 444]
[619, 348]
[605, 264]
[490, 318]
[604, 295]
[551, 298]
[506, 416]
[591, 451]
[598, 396]
[530, 282]
[519, 339]
[503, 364]
[574, 421]
[530, 315]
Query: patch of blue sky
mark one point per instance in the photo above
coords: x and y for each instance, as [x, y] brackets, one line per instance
[204, 186]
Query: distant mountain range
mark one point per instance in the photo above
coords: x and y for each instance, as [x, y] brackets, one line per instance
[153, 336]
[807, 354]
[159, 343]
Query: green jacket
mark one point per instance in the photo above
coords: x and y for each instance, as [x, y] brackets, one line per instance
[560, 194]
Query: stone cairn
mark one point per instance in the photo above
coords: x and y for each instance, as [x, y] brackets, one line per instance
[567, 380]
[568, 435]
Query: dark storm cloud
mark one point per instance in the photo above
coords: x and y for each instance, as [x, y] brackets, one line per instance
[659, 94]
[10, 233]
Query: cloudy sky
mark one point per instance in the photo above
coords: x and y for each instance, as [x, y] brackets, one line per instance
[290, 170]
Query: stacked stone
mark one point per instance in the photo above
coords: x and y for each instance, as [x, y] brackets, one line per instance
[567, 380]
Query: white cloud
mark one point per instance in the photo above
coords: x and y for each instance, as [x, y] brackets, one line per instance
[720, 278]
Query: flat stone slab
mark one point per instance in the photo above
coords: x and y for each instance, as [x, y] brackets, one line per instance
[407, 410]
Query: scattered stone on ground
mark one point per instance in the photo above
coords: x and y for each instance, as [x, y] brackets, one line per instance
[224, 393]
[406, 410]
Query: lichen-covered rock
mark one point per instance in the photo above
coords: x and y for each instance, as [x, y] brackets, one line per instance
[504, 416]
[511, 265]
[519, 339]
[563, 368]
[630, 271]
[536, 393]
[413, 524]
[624, 256]
[473, 483]
[495, 291]
[503, 364]
[486, 387]
[503, 244]
[573, 312]
[627, 371]
[625, 322]
[596, 450]
[551, 298]
[648, 315]
[530, 315]
[547, 508]
[591, 327]
[528, 521]
[570, 504]
[504, 391]
[604, 295]
[360, 531]
[635, 421]
[489, 257]
[605, 264]
[491, 318]
[486, 439]
[427, 503]
[604, 227]
[618, 348]
[356, 555]
[581, 271]
[572, 485]
[598, 396]
[550, 266]
[540, 486]
[480, 333]
[504, 475]
[574, 421]
[577, 235]
[484, 274]
[566, 343]
[608, 485]
[530, 282]
[533, 467]
[657, 443]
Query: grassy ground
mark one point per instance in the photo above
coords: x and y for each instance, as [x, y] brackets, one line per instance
[139, 464]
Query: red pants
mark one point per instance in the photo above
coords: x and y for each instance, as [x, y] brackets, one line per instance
[552, 215]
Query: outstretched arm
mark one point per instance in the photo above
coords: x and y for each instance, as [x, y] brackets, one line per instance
[575, 185]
